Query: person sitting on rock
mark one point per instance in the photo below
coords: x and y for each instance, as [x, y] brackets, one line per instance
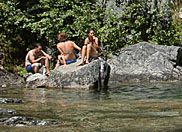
[90, 48]
[66, 49]
[33, 60]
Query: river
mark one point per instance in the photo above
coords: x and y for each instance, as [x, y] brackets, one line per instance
[124, 107]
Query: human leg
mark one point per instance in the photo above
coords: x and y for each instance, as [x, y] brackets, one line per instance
[91, 52]
[59, 61]
[30, 69]
[57, 64]
[46, 63]
[35, 67]
[47, 66]
[94, 53]
[84, 49]
[89, 48]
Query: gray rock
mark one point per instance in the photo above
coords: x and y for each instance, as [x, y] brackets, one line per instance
[92, 75]
[7, 78]
[5, 101]
[25, 121]
[36, 80]
[145, 62]
[7, 111]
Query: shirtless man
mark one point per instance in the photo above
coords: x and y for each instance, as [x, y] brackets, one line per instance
[90, 48]
[33, 62]
[66, 49]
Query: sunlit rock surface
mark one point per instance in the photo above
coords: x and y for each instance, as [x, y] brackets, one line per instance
[88, 76]
[146, 62]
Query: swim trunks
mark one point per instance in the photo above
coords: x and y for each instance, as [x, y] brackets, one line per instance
[29, 69]
[70, 61]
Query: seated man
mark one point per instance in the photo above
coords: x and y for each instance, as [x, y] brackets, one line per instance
[90, 48]
[66, 49]
[33, 62]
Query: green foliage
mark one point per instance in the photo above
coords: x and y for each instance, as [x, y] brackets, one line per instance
[109, 33]
[21, 70]
[12, 36]
[42, 20]
[152, 22]
[71, 16]
[23, 23]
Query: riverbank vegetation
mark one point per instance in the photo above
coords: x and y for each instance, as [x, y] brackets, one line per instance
[23, 23]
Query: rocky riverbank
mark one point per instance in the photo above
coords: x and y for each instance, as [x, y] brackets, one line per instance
[142, 62]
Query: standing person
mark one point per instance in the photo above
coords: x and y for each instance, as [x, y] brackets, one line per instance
[90, 48]
[33, 62]
[66, 49]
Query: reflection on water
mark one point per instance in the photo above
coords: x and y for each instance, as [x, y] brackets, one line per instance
[115, 92]
[139, 107]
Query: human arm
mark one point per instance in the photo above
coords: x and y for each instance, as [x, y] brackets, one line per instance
[86, 42]
[46, 55]
[96, 42]
[63, 60]
[32, 57]
[59, 49]
[77, 47]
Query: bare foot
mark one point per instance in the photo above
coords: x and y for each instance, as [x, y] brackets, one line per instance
[86, 62]
[48, 73]
[64, 66]
[81, 63]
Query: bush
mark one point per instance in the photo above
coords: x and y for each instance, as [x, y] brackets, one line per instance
[149, 21]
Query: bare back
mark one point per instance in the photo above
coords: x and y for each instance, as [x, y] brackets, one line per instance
[67, 49]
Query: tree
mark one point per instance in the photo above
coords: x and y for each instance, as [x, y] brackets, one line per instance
[149, 21]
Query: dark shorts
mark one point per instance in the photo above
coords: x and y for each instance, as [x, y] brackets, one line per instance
[29, 69]
[70, 61]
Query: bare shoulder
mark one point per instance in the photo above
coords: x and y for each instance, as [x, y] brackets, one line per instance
[70, 42]
[86, 40]
[59, 44]
[95, 38]
[30, 52]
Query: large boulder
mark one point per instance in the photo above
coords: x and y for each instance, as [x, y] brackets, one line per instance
[88, 76]
[7, 78]
[146, 62]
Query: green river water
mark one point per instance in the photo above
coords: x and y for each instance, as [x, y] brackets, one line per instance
[133, 107]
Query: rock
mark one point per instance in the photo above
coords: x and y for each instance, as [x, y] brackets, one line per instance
[25, 121]
[146, 62]
[7, 112]
[5, 101]
[36, 80]
[7, 78]
[25, 76]
[92, 75]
